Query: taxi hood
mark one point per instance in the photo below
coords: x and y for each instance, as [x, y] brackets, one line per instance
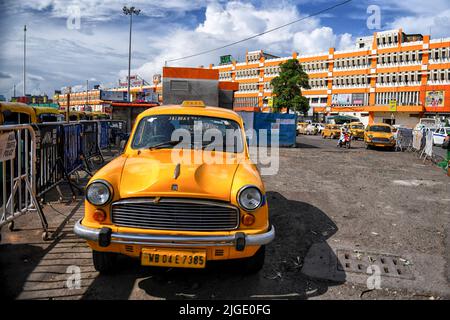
[156, 173]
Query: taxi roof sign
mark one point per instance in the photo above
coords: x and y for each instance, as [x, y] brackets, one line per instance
[193, 103]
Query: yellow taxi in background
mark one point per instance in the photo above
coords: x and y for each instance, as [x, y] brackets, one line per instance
[179, 202]
[379, 135]
[301, 127]
[356, 130]
[331, 131]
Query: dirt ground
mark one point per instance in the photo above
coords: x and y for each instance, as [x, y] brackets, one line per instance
[332, 209]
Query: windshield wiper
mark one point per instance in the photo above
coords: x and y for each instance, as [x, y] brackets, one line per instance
[165, 143]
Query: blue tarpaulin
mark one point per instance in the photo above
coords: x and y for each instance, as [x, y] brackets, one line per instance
[282, 124]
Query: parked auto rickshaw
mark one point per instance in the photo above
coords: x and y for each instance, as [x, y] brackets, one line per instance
[356, 130]
[331, 131]
[75, 115]
[45, 114]
[100, 115]
[16, 113]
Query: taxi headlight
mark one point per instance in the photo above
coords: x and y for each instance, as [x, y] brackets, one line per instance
[250, 198]
[99, 193]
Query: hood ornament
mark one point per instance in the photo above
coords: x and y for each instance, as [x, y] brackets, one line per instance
[176, 173]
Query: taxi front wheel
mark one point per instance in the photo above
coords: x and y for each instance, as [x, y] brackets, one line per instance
[104, 261]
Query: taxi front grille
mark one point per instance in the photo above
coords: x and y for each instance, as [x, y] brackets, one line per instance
[175, 214]
[380, 140]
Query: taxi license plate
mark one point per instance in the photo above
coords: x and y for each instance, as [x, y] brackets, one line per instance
[170, 258]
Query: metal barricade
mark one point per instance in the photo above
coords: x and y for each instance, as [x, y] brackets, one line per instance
[18, 172]
[404, 139]
[89, 142]
[72, 147]
[109, 131]
[49, 157]
[104, 132]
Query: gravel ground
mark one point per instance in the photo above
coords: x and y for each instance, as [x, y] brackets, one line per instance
[328, 205]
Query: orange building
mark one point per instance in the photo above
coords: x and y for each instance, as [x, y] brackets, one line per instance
[91, 101]
[389, 77]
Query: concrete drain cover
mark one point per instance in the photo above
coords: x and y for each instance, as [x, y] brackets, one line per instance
[358, 262]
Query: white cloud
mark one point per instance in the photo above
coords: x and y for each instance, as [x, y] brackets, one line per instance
[315, 41]
[109, 9]
[438, 24]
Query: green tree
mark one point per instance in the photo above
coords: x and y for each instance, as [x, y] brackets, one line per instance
[287, 87]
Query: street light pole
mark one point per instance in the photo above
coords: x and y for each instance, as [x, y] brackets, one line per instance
[24, 60]
[130, 11]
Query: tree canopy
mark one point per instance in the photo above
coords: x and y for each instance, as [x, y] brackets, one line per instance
[287, 87]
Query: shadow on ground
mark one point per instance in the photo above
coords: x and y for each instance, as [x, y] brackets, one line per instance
[299, 264]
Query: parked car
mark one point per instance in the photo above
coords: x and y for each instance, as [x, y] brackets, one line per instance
[379, 135]
[319, 126]
[301, 127]
[440, 134]
[356, 130]
[311, 129]
[331, 131]
[427, 123]
[184, 211]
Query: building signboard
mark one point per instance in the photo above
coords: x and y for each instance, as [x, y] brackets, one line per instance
[434, 99]
[113, 95]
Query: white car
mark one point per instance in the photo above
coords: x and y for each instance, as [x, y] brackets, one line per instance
[319, 127]
[440, 134]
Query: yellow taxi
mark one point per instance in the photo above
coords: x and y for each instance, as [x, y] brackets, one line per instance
[379, 135]
[301, 127]
[331, 131]
[356, 130]
[182, 194]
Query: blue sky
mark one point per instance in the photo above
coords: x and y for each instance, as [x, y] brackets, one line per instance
[60, 55]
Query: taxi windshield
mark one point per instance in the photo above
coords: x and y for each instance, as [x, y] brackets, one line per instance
[380, 129]
[188, 132]
[357, 126]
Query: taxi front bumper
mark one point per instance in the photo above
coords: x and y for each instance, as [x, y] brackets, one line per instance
[104, 237]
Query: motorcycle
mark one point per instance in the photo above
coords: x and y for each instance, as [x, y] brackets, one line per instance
[346, 141]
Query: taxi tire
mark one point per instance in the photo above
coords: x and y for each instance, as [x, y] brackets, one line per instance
[255, 263]
[104, 262]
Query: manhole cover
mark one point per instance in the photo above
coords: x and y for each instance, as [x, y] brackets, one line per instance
[389, 265]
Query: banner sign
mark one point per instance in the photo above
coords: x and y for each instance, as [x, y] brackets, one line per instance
[113, 95]
[434, 99]
[7, 146]
[393, 105]
[134, 82]
[348, 99]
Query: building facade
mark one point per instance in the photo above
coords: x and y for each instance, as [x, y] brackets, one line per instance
[91, 100]
[389, 77]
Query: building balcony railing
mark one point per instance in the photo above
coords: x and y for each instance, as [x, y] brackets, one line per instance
[398, 84]
[348, 68]
[271, 75]
[350, 86]
[440, 60]
[399, 64]
[247, 77]
[247, 91]
[316, 71]
[438, 82]
[317, 88]
[387, 45]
